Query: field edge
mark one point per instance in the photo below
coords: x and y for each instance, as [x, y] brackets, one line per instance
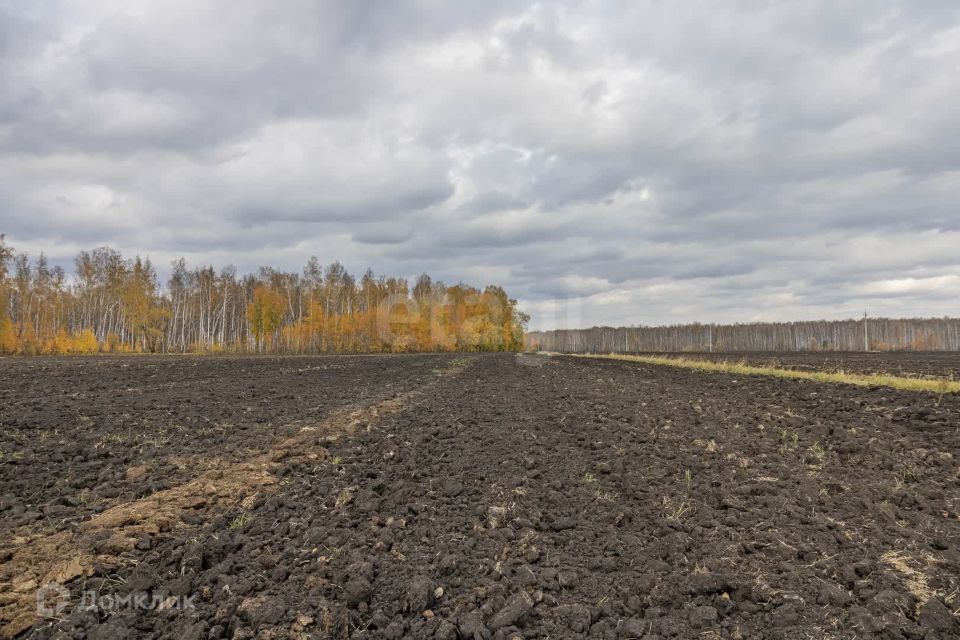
[903, 383]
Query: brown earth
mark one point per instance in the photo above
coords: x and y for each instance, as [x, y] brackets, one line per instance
[473, 496]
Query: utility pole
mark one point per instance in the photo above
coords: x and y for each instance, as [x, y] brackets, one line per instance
[710, 337]
[866, 339]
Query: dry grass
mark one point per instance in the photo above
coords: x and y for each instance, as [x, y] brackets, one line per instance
[941, 386]
[916, 581]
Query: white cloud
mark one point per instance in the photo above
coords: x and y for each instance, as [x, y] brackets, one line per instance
[620, 163]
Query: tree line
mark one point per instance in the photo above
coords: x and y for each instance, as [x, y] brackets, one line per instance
[113, 304]
[875, 334]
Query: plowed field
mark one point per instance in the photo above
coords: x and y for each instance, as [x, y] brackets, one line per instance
[470, 496]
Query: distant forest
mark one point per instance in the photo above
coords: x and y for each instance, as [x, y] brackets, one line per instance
[117, 305]
[875, 334]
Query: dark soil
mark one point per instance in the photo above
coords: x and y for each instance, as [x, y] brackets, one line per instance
[491, 496]
[931, 364]
[78, 435]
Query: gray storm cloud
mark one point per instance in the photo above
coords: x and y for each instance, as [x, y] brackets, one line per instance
[605, 162]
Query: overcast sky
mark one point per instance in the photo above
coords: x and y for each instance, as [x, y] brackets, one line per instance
[606, 162]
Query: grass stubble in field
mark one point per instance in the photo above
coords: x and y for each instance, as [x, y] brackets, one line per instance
[894, 381]
[445, 496]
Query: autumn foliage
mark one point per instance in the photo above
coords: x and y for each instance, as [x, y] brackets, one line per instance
[117, 305]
